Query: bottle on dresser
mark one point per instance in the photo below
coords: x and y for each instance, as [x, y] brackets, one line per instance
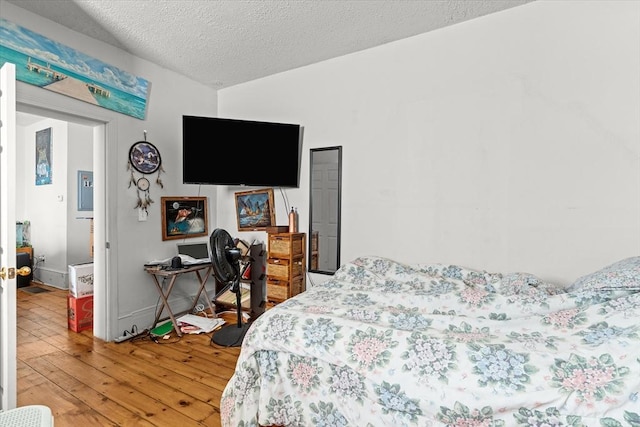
[293, 221]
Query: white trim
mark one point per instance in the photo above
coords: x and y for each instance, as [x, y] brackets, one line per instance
[34, 100]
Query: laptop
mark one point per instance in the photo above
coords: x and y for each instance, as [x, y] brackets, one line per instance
[194, 253]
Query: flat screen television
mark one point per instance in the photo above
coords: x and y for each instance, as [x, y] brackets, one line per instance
[223, 151]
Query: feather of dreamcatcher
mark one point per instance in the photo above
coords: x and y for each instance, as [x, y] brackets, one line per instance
[132, 179]
[158, 180]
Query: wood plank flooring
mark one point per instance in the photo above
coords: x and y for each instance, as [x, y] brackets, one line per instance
[88, 382]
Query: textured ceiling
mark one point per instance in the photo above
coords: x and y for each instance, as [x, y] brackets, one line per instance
[223, 43]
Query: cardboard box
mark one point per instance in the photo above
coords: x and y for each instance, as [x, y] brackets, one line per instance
[81, 280]
[80, 313]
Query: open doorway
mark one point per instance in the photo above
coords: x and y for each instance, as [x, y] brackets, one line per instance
[55, 209]
[103, 127]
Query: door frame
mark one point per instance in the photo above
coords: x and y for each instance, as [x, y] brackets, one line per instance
[34, 100]
[8, 290]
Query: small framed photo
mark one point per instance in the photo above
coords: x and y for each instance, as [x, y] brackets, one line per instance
[184, 217]
[255, 210]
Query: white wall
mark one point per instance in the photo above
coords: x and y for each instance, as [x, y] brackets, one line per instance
[508, 143]
[80, 158]
[132, 243]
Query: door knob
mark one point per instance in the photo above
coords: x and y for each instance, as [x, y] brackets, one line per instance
[10, 273]
[23, 271]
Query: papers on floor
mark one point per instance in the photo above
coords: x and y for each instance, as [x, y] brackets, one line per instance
[192, 324]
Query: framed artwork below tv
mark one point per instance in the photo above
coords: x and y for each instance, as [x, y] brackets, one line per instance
[184, 217]
[255, 209]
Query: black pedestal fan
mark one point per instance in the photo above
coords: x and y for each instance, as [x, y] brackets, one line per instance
[225, 258]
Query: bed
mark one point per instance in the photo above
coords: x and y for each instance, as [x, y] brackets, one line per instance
[387, 344]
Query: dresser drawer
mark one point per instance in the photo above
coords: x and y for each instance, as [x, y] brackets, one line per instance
[296, 287]
[283, 268]
[277, 290]
[286, 244]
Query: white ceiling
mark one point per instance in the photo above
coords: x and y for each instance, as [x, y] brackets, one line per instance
[222, 43]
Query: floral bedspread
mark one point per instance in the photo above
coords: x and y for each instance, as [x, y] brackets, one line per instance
[388, 344]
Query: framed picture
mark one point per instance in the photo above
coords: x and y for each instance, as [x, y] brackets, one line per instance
[255, 210]
[44, 162]
[183, 217]
[43, 62]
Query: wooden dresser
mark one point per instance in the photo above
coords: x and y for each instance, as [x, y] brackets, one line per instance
[286, 270]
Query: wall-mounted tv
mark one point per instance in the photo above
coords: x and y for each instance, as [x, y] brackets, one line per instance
[221, 151]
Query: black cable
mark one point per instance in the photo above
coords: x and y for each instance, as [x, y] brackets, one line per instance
[285, 199]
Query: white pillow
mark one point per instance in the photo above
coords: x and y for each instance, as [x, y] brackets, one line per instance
[622, 275]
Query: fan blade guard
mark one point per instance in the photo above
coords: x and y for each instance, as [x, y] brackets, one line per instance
[220, 243]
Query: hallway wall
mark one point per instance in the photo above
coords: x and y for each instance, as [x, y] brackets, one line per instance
[57, 232]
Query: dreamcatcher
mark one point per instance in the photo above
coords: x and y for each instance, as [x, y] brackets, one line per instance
[144, 158]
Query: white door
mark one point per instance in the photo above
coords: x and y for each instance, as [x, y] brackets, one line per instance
[8, 393]
[326, 187]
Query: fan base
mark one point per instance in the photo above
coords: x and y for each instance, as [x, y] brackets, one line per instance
[230, 335]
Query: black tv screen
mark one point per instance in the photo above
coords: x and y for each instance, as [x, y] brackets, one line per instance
[222, 151]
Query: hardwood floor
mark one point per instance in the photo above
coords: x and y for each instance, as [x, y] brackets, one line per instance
[88, 382]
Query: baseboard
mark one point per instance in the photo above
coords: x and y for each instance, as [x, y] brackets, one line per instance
[55, 278]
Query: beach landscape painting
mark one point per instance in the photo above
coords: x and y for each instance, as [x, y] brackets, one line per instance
[43, 62]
